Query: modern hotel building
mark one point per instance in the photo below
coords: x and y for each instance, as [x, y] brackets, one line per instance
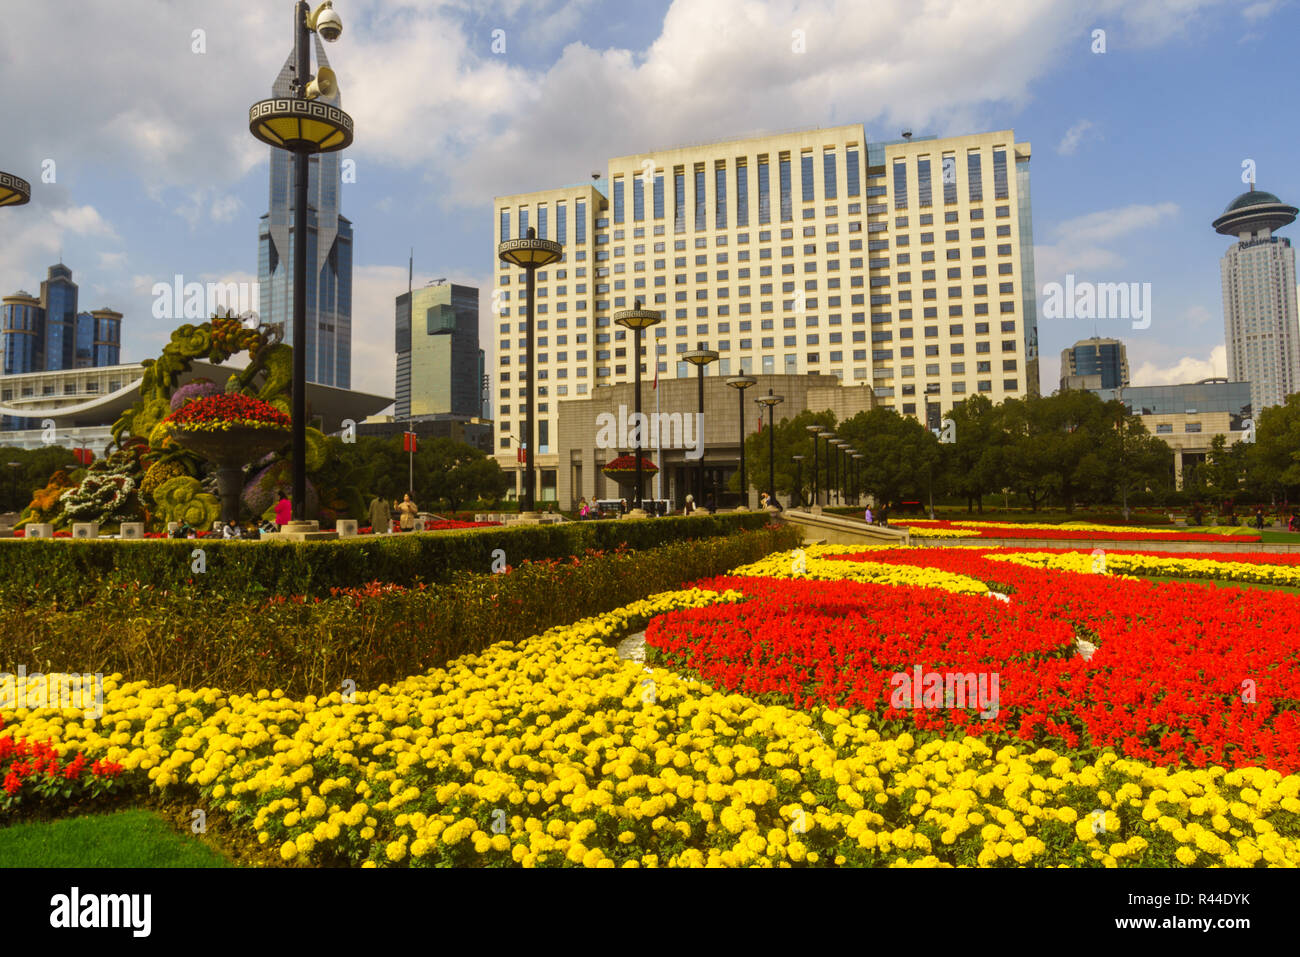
[903, 265]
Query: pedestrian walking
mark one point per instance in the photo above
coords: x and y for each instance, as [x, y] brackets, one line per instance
[379, 516]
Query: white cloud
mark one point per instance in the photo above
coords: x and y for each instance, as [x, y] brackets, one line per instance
[1084, 244]
[1182, 369]
[1069, 144]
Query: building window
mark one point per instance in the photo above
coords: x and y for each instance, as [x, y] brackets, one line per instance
[787, 196]
[923, 182]
[1000, 190]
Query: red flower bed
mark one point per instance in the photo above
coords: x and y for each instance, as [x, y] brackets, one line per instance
[1168, 683]
[627, 463]
[919, 527]
[213, 411]
[30, 768]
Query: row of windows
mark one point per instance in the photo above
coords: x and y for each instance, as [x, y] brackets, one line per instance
[949, 178]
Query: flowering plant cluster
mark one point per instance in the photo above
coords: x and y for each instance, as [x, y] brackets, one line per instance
[38, 769]
[1263, 569]
[627, 463]
[227, 410]
[945, 528]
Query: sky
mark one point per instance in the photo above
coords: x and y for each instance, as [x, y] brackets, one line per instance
[130, 120]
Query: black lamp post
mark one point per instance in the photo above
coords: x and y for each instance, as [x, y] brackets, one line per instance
[700, 358]
[303, 125]
[638, 320]
[771, 401]
[815, 431]
[857, 478]
[740, 383]
[830, 484]
[798, 479]
[530, 254]
[14, 191]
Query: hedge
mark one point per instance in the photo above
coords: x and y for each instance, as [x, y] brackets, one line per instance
[198, 637]
[70, 571]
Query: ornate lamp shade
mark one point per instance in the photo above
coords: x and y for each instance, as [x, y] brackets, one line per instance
[770, 400]
[816, 430]
[637, 318]
[742, 382]
[530, 252]
[14, 191]
[700, 357]
[300, 126]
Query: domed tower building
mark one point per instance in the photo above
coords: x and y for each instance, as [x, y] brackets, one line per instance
[1260, 321]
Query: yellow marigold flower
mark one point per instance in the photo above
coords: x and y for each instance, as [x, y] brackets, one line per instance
[1185, 855]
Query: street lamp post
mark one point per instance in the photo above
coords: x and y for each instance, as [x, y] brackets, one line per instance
[815, 431]
[700, 358]
[835, 469]
[303, 125]
[830, 485]
[740, 383]
[530, 254]
[771, 401]
[14, 191]
[638, 320]
[798, 479]
[857, 477]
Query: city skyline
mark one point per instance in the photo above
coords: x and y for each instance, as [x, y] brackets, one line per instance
[1125, 176]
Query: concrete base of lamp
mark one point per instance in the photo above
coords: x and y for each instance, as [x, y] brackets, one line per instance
[131, 530]
[346, 527]
[40, 530]
[303, 531]
[85, 529]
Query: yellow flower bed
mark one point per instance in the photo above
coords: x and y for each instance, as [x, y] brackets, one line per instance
[816, 562]
[1161, 566]
[554, 752]
[1079, 526]
[926, 531]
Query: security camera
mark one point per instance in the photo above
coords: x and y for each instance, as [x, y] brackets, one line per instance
[326, 22]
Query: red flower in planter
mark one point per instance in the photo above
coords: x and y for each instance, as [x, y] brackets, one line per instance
[228, 410]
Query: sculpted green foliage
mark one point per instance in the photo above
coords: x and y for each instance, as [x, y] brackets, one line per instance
[182, 499]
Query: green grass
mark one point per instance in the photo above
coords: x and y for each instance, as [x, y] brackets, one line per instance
[131, 838]
[1275, 537]
[1224, 584]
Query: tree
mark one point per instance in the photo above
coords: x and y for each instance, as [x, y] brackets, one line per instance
[791, 438]
[898, 453]
[1274, 460]
[23, 471]
[974, 464]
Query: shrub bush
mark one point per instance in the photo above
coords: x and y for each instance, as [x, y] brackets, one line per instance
[71, 572]
[204, 636]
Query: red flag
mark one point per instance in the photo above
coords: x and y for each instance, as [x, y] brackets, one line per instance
[84, 456]
[520, 455]
[656, 385]
[408, 442]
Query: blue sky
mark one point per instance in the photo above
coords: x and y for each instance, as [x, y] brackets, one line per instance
[1135, 150]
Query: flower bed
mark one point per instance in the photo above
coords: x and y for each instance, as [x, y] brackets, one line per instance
[946, 528]
[553, 752]
[227, 410]
[1263, 569]
[36, 771]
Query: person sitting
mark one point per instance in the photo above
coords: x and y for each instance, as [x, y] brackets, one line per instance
[689, 508]
[180, 531]
[231, 530]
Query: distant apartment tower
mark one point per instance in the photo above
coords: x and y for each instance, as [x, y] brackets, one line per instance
[1259, 298]
[439, 362]
[1095, 363]
[48, 334]
[904, 265]
[329, 254]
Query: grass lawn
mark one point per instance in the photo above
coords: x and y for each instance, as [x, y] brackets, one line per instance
[132, 838]
[1224, 584]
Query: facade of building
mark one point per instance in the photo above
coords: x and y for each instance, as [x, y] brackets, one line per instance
[1259, 298]
[470, 430]
[329, 254]
[1095, 363]
[49, 334]
[1188, 417]
[905, 267]
[439, 363]
[587, 426]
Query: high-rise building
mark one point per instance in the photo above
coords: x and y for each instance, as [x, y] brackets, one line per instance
[1095, 363]
[329, 254]
[438, 358]
[906, 265]
[1259, 297]
[49, 334]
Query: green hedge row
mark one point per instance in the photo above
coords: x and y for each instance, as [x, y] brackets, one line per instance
[197, 637]
[72, 571]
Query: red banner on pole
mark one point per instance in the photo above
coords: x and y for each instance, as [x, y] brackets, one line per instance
[408, 442]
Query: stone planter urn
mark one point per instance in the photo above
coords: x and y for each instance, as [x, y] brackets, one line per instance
[230, 450]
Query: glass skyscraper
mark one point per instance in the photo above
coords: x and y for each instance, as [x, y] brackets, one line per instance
[329, 255]
[439, 363]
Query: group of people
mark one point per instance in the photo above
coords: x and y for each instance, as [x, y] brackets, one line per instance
[401, 516]
[874, 518]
